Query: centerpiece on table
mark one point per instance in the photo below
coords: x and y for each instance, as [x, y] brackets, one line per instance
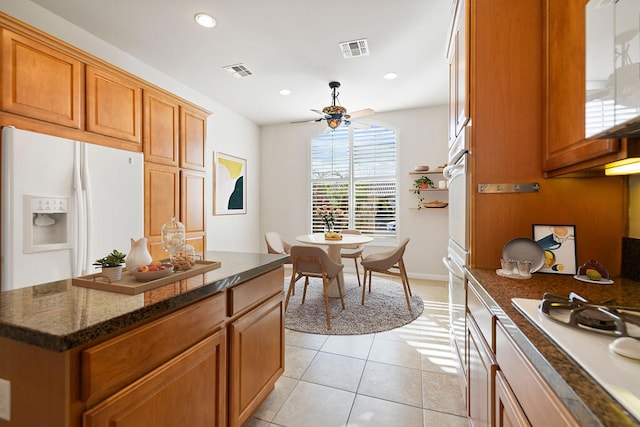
[329, 215]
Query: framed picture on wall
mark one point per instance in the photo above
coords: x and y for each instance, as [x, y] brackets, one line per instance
[559, 245]
[229, 184]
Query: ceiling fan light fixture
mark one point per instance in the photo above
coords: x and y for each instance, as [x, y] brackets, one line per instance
[334, 122]
[336, 110]
[205, 20]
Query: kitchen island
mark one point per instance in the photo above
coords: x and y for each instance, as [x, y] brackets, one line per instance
[205, 350]
[586, 401]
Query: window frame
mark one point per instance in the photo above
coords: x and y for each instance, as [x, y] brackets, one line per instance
[353, 180]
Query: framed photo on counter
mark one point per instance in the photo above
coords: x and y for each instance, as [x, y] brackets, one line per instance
[559, 245]
[229, 184]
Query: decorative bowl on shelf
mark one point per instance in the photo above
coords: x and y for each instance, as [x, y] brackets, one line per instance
[421, 168]
[145, 276]
[435, 204]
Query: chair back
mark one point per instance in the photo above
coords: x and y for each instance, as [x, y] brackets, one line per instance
[275, 244]
[387, 260]
[351, 231]
[312, 260]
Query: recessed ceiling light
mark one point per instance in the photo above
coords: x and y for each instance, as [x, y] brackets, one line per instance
[391, 76]
[284, 92]
[205, 20]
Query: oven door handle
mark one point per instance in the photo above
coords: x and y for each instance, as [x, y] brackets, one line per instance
[448, 263]
[450, 171]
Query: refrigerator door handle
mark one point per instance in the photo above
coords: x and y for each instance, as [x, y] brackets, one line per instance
[79, 250]
[88, 205]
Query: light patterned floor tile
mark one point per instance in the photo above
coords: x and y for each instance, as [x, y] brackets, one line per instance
[399, 353]
[442, 393]
[313, 405]
[441, 419]
[296, 360]
[334, 370]
[300, 339]
[372, 412]
[389, 382]
[349, 345]
[272, 404]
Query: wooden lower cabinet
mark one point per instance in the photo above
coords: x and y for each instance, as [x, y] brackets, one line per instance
[256, 358]
[481, 370]
[503, 388]
[508, 410]
[189, 390]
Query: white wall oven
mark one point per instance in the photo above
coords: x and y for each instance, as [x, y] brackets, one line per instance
[458, 179]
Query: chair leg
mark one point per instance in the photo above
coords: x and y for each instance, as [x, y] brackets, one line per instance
[405, 284]
[364, 285]
[326, 306]
[340, 286]
[292, 285]
[355, 261]
[304, 291]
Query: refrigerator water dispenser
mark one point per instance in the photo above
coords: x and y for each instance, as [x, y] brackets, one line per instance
[47, 224]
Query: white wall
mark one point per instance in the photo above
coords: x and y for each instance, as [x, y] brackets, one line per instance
[422, 140]
[227, 131]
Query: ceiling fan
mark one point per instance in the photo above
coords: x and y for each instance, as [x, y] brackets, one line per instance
[335, 114]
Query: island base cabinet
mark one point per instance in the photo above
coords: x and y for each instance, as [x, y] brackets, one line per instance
[189, 390]
[256, 358]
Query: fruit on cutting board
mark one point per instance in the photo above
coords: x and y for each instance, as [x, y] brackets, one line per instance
[593, 274]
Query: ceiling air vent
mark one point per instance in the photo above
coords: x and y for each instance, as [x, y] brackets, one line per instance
[238, 70]
[354, 48]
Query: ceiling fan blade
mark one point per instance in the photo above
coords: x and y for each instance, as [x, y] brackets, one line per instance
[309, 121]
[360, 113]
[318, 111]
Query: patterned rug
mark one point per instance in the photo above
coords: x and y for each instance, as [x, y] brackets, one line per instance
[385, 308]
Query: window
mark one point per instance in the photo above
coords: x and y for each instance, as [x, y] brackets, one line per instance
[355, 170]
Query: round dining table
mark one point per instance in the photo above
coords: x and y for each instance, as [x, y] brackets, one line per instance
[334, 248]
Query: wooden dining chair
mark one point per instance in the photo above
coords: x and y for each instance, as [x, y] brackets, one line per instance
[276, 244]
[311, 261]
[353, 252]
[391, 263]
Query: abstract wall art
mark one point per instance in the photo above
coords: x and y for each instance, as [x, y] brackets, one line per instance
[229, 184]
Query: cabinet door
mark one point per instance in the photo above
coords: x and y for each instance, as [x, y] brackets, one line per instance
[114, 105]
[564, 143]
[192, 207]
[189, 390]
[481, 368]
[256, 358]
[161, 202]
[462, 67]
[160, 128]
[40, 82]
[192, 137]
[508, 411]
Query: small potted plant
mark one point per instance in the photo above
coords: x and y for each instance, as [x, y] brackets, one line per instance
[112, 265]
[422, 183]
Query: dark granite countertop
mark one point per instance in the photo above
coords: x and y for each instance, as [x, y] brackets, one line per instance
[59, 316]
[588, 402]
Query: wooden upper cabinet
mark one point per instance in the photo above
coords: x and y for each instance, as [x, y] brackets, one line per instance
[161, 202]
[161, 126]
[458, 55]
[193, 124]
[40, 82]
[192, 200]
[565, 147]
[114, 105]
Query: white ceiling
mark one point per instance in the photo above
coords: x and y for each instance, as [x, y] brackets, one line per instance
[290, 44]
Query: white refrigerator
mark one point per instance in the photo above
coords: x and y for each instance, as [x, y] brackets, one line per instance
[65, 204]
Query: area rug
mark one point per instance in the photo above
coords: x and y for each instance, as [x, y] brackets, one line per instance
[385, 308]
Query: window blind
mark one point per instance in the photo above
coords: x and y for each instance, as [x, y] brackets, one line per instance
[356, 170]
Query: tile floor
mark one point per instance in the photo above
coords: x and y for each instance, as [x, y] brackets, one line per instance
[403, 377]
